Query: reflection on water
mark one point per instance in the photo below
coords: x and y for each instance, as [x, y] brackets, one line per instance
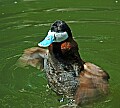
[23, 23]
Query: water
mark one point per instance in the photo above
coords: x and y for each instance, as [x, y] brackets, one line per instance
[23, 23]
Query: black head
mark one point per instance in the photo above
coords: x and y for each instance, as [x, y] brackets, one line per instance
[61, 26]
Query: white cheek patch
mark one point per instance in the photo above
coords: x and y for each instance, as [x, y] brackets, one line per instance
[59, 37]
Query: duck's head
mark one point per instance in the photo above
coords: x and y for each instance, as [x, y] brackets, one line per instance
[59, 32]
[61, 45]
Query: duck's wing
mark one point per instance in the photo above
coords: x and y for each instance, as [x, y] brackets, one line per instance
[96, 70]
[93, 83]
[34, 56]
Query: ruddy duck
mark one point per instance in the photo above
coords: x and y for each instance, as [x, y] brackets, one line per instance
[66, 72]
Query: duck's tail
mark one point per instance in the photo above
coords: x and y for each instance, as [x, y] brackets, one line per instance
[93, 83]
[33, 56]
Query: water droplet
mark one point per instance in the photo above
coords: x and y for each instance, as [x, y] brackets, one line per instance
[15, 2]
[101, 41]
[116, 1]
[30, 85]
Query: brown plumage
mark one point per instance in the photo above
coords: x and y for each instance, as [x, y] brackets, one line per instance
[66, 72]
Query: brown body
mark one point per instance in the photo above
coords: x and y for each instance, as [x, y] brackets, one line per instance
[87, 81]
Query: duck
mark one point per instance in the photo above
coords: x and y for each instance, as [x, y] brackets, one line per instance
[67, 73]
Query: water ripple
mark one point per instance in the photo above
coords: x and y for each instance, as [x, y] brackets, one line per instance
[14, 25]
[95, 21]
[80, 9]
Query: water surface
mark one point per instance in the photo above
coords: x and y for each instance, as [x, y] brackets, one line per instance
[23, 23]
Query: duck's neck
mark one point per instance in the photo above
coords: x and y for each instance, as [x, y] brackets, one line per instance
[67, 49]
[55, 50]
[67, 53]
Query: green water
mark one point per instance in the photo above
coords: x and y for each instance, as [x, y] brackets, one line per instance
[23, 23]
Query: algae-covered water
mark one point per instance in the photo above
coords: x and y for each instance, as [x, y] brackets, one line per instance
[95, 26]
